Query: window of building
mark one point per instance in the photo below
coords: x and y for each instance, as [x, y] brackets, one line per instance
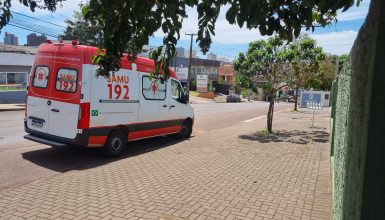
[10, 81]
[193, 73]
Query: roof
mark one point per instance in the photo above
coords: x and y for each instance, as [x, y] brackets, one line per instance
[18, 49]
[226, 70]
[195, 61]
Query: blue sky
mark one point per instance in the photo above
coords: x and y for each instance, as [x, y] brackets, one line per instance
[229, 40]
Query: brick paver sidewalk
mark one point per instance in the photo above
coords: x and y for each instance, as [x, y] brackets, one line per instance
[231, 173]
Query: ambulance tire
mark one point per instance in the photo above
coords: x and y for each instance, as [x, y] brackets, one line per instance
[115, 144]
[185, 130]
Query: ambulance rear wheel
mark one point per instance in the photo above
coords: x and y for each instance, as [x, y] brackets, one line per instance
[115, 144]
[185, 130]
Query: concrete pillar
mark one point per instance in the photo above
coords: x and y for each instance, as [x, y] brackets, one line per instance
[359, 139]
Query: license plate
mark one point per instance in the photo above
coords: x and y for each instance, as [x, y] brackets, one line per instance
[37, 124]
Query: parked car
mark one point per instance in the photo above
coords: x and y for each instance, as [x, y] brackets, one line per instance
[233, 98]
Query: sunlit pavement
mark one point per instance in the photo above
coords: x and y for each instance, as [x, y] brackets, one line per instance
[230, 173]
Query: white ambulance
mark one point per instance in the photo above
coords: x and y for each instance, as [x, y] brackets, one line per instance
[68, 105]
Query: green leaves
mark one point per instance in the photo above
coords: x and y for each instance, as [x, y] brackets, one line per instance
[86, 32]
[124, 26]
[272, 61]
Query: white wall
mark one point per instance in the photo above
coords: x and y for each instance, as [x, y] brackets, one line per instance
[182, 72]
[16, 59]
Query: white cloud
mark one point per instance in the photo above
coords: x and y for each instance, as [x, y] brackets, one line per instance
[63, 12]
[336, 42]
[229, 39]
[225, 32]
[355, 13]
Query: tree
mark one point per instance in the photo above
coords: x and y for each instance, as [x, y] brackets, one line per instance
[342, 60]
[82, 30]
[265, 63]
[128, 24]
[323, 80]
[305, 62]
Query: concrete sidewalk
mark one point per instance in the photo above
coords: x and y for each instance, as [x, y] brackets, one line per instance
[12, 106]
[231, 173]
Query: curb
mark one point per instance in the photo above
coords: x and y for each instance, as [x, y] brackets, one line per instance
[11, 109]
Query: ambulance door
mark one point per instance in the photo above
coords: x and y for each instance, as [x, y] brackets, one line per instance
[115, 100]
[153, 114]
[38, 98]
[63, 108]
[177, 109]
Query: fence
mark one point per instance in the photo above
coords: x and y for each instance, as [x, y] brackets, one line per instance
[13, 86]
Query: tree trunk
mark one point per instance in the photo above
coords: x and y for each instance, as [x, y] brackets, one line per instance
[270, 114]
[296, 98]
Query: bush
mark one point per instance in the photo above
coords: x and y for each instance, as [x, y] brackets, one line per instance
[245, 93]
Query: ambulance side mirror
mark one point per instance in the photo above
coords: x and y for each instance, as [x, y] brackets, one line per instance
[185, 98]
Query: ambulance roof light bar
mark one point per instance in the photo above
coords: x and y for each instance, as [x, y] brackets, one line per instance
[62, 42]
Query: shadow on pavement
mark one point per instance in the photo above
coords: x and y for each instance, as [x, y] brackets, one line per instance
[63, 159]
[295, 136]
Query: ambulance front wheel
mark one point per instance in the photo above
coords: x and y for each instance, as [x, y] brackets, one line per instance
[115, 144]
[185, 130]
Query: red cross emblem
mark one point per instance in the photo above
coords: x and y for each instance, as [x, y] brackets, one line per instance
[154, 87]
[40, 76]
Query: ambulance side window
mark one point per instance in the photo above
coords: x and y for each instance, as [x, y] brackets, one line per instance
[176, 90]
[153, 89]
[40, 77]
[66, 80]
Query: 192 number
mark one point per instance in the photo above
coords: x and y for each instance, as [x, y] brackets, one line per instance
[66, 86]
[118, 91]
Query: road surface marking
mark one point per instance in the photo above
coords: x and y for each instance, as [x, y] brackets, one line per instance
[256, 118]
[260, 117]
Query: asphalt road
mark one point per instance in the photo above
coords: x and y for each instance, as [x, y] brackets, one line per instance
[23, 161]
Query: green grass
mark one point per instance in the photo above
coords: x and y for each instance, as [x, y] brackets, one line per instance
[10, 88]
[263, 132]
[194, 93]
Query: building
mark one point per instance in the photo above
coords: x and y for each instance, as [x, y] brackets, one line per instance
[11, 39]
[180, 52]
[15, 65]
[223, 60]
[211, 56]
[146, 50]
[34, 40]
[198, 67]
[226, 74]
[187, 53]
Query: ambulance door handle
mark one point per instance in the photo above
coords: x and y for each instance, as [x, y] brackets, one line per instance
[164, 106]
[172, 106]
[55, 110]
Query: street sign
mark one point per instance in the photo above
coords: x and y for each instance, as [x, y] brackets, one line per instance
[201, 83]
[315, 106]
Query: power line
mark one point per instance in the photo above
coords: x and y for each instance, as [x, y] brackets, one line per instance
[41, 28]
[37, 19]
[29, 29]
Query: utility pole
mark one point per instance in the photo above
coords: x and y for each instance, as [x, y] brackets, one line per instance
[189, 64]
